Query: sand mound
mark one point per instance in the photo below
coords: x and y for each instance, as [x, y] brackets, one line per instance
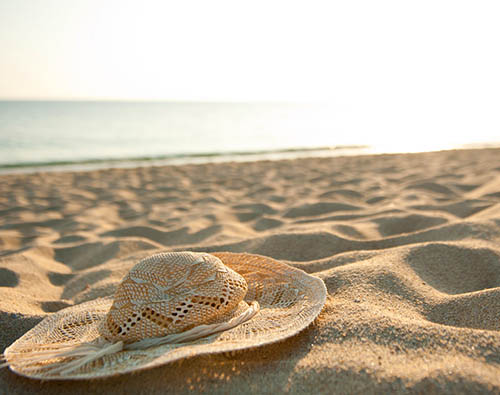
[408, 247]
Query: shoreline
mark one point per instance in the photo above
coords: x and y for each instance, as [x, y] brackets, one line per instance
[218, 157]
[185, 158]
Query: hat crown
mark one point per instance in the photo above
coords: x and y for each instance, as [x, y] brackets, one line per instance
[170, 293]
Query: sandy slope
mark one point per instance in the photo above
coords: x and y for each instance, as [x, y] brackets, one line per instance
[408, 246]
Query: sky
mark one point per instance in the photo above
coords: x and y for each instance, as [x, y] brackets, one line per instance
[397, 66]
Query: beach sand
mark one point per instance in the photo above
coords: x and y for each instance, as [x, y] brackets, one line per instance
[408, 246]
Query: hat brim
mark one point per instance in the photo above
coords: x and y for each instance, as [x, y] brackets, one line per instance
[289, 299]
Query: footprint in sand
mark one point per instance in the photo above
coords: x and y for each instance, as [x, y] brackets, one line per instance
[315, 209]
[265, 223]
[8, 278]
[461, 209]
[469, 278]
[53, 306]
[456, 269]
[395, 225]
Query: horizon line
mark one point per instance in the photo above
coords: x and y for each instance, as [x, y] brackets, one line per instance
[153, 100]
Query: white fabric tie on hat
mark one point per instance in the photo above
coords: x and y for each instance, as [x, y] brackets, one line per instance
[88, 352]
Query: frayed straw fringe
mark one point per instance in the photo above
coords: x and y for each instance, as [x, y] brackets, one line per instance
[31, 359]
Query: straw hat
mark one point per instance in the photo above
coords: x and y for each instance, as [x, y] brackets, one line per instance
[171, 306]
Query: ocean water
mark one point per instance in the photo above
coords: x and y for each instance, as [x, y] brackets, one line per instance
[40, 134]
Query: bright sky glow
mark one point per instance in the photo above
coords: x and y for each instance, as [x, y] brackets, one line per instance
[398, 68]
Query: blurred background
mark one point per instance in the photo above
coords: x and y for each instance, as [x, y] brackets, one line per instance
[92, 81]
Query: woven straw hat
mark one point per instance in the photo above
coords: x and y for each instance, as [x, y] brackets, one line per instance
[168, 307]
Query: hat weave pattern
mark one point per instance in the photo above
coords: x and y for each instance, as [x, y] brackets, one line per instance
[289, 300]
[170, 293]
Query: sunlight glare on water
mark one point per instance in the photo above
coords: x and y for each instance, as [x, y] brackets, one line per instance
[50, 132]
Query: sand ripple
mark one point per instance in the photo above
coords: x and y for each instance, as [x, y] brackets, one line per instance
[408, 247]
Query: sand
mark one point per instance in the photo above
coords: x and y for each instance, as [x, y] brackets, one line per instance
[408, 246]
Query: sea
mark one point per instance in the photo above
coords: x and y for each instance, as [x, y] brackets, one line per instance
[59, 135]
